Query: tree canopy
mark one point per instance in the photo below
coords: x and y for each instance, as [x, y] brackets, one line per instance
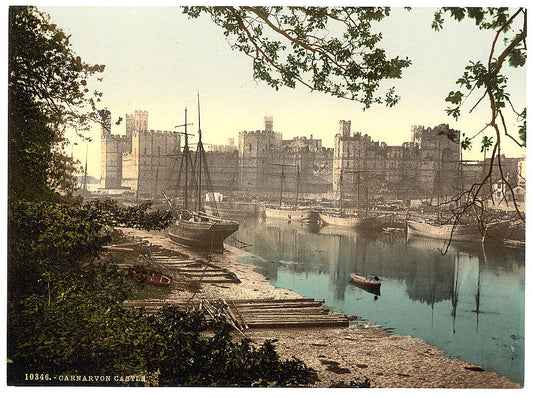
[48, 92]
[327, 49]
[335, 50]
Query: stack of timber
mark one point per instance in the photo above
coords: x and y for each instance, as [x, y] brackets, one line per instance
[196, 270]
[255, 313]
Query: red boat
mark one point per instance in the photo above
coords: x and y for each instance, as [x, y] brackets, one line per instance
[372, 283]
[151, 277]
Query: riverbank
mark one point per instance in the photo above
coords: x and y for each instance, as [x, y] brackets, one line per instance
[356, 355]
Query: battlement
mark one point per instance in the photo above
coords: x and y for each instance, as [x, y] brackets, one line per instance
[154, 133]
[420, 134]
[115, 137]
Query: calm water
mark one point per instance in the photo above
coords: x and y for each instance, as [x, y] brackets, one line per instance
[468, 303]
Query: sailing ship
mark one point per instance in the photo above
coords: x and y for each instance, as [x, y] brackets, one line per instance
[459, 232]
[291, 213]
[196, 228]
[341, 218]
[437, 229]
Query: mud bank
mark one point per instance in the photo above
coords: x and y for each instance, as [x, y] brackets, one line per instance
[349, 356]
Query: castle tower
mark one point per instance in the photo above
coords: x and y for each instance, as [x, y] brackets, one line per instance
[105, 114]
[112, 149]
[130, 124]
[269, 124]
[345, 127]
[141, 120]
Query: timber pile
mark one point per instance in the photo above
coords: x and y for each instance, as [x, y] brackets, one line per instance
[255, 313]
[196, 270]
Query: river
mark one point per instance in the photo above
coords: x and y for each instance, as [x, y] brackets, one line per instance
[469, 302]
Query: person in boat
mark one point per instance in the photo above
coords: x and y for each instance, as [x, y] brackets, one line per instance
[376, 278]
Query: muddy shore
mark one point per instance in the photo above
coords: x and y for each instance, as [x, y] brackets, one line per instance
[345, 356]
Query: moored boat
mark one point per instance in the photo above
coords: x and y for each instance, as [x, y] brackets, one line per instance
[341, 220]
[196, 228]
[462, 232]
[202, 231]
[287, 213]
[369, 283]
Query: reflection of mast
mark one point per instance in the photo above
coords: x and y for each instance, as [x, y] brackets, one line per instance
[478, 290]
[455, 294]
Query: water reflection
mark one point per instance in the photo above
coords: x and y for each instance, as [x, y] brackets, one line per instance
[468, 302]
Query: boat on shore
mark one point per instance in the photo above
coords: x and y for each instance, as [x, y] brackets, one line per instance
[203, 231]
[196, 228]
[151, 277]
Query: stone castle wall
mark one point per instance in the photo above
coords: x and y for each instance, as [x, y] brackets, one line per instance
[366, 168]
[265, 166]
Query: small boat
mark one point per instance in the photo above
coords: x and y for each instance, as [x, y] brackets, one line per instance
[151, 277]
[372, 283]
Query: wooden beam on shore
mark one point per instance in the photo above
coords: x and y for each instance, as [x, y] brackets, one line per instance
[257, 313]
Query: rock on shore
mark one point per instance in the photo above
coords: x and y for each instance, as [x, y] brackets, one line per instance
[342, 357]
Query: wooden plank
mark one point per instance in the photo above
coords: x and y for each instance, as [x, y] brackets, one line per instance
[242, 303]
[244, 324]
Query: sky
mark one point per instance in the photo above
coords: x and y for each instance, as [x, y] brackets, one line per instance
[157, 60]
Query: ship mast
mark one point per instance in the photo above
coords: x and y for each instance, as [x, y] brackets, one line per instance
[200, 153]
[186, 157]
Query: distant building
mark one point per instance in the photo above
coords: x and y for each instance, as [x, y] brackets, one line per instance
[265, 166]
[426, 167]
[140, 161]
[271, 167]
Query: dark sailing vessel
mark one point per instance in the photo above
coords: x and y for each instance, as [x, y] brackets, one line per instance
[196, 228]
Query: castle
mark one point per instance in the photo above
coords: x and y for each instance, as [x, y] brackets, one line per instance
[264, 166]
[140, 161]
[419, 168]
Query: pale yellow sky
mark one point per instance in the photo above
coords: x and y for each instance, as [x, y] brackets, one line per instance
[156, 59]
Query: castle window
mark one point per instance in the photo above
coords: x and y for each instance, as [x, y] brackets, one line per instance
[145, 150]
[158, 151]
[250, 147]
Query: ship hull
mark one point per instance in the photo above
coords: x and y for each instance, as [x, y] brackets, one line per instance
[292, 214]
[347, 222]
[460, 232]
[206, 235]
